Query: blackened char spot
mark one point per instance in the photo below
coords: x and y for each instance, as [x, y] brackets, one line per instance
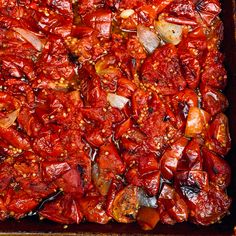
[150, 110]
[49, 198]
[166, 118]
[215, 170]
[190, 192]
[80, 169]
[113, 9]
[133, 60]
[130, 216]
[73, 58]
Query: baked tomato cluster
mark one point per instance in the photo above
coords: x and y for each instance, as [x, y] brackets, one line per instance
[113, 110]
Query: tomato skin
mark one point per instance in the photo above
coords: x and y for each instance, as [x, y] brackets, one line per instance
[156, 120]
[193, 46]
[170, 158]
[139, 101]
[191, 70]
[197, 122]
[131, 4]
[214, 74]
[216, 36]
[208, 10]
[147, 174]
[207, 207]
[63, 210]
[5, 178]
[172, 207]
[109, 159]
[125, 205]
[147, 163]
[15, 138]
[82, 31]
[133, 177]
[195, 179]
[71, 182]
[159, 67]
[51, 170]
[134, 139]
[182, 10]
[54, 23]
[54, 63]
[151, 183]
[123, 128]
[125, 87]
[218, 138]
[147, 14]
[99, 20]
[15, 87]
[115, 187]
[22, 204]
[92, 209]
[64, 6]
[186, 97]
[15, 66]
[148, 218]
[88, 5]
[92, 91]
[192, 158]
[99, 127]
[43, 147]
[218, 169]
[160, 4]
[213, 101]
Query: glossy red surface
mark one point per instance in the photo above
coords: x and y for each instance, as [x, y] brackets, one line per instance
[31, 225]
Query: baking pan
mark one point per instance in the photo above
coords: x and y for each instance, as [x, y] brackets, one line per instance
[33, 226]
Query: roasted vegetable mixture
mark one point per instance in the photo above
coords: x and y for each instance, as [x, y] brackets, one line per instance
[112, 110]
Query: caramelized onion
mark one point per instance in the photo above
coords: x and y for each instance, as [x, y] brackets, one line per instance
[31, 37]
[147, 38]
[116, 100]
[9, 119]
[170, 33]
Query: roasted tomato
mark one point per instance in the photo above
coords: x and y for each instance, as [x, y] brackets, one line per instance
[213, 101]
[192, 179]
[170, 158]
[147, 175]
[148, 217]
[110, 160]
[217, 168]
[125, 205]
[114, 188]
[191, 70]
[99, 20]
[193, 47]
[197, 122]
[172, 206]
[64, 210]
[54, 66]
[208, 10]
[182, 8]
[92, 208]
[162, 71]
[192, 158]
[155, 120]
[113, 110]
[214, 74]
[206, 206]
[218, 139]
